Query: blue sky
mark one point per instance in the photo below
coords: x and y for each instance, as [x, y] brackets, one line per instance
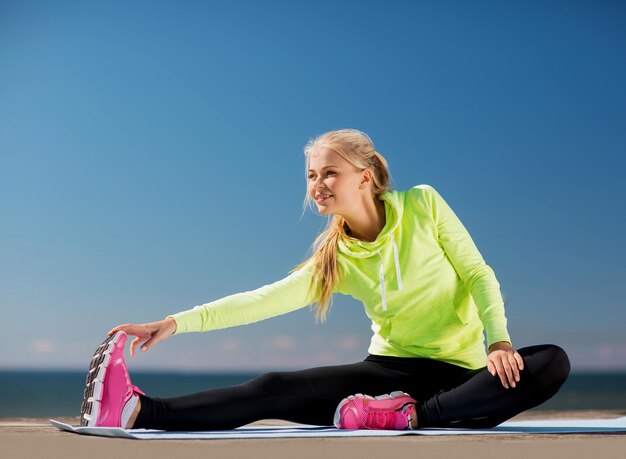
[151, 160]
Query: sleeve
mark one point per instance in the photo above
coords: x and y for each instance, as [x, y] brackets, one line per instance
[469, 264]
[281, 297]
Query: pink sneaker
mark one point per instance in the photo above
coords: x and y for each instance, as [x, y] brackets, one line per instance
[110, 397]
[385, 412]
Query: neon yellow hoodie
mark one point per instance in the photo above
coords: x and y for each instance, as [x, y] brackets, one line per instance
[423, 284]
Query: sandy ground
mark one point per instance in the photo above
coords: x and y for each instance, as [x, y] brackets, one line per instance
[35, 438]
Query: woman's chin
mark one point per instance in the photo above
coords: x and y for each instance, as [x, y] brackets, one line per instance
[324, 210]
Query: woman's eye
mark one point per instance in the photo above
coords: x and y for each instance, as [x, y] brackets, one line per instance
[311, 177]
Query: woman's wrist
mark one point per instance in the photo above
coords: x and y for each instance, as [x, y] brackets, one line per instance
[171, 324]
[500, 346]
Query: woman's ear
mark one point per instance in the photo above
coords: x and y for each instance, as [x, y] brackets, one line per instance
[366, 179]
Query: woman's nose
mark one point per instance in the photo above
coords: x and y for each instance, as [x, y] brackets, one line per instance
[318, 182]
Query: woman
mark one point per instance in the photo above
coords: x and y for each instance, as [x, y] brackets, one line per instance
[424, 285]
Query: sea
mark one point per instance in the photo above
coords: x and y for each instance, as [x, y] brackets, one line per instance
[47, 394]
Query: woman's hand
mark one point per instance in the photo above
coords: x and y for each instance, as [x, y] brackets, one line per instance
[506, 362]
[152, 333]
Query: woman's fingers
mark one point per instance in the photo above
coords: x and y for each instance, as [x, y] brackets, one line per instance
[514, 368]
[115, 330]
[517, 364]
[507, 366]
[497, 364]
[510, 372]
[502, 367]
[491, 368]
[133, 345]
[505, 372]
[519, 360]
[150, 333]
[156, 338]
[129, 329]
[141, 330]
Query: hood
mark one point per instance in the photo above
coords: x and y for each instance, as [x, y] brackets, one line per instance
[356, 248]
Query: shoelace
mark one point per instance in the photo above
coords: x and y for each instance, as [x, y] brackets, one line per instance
[376, 420]
[382, 419]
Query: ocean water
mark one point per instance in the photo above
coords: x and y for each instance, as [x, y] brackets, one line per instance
[55, 394]
[49, 394]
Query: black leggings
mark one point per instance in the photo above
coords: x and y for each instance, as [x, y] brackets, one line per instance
[447, 395]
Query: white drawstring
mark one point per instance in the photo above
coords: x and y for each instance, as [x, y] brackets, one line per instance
[395, 256]
[382, 281]
[381, 272]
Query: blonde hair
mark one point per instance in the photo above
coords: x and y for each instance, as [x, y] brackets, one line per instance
[356, 148]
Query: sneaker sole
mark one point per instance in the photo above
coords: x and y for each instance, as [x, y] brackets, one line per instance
[337, 416]
[95, 378]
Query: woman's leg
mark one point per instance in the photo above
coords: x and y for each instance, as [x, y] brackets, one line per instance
[480, 401]
[308, 396]
[452, 396]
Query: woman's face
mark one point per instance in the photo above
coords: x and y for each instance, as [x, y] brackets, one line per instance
[333, 183]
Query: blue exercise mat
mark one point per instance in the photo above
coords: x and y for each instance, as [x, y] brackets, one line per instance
[307, 431]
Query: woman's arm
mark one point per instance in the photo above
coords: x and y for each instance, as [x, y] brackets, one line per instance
[470, 266]
[502, 359]
[281, 297]
[271, 300]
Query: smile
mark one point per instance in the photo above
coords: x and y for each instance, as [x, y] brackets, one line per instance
[323, 197]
